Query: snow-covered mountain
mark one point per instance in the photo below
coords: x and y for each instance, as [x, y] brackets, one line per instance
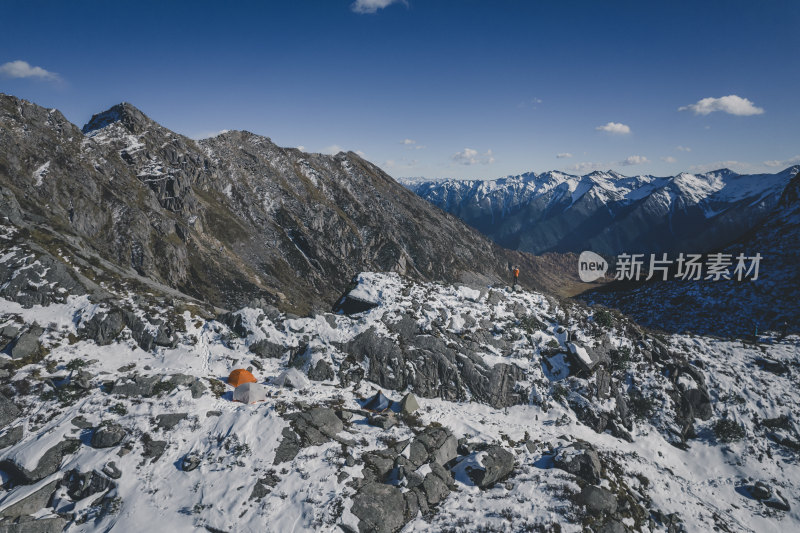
[730, 307]
[610, 213]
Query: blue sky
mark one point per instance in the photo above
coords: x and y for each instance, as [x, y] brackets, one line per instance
[435, 88]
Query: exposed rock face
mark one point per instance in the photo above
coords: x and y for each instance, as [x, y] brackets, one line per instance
[597, 500]
[227, 219]
[433, 369]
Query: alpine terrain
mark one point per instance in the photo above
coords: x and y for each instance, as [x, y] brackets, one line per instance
[226, 335]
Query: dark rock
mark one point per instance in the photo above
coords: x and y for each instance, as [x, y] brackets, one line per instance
[48, 464]
[83, 380]
[767, 495]
[700, 402]
[288, 448]
[28, 343]
[104, 329]
[11, 437]
[267, 349]
[82, 485]
[771, 365]
[136, 386]
[235, 323]
[433, 445]
[322, 371]
[380, 508]
[190, 462]
[108, 436]
[597, 500]
[9, 332]
[54, 524]
[30, 504]
[579, 459]
[81, 422]
[383, 421]
[496, 463]
[603, 383]
[264, 485]
[153, 449]
[112, 471]
[197, 388]
[170, 420]
[8, 411]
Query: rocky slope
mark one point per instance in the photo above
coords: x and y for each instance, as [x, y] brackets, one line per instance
[535, 414]
[729, 307]
[228, 220]
[609, 213]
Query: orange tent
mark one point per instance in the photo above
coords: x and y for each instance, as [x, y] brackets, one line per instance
[239, 376]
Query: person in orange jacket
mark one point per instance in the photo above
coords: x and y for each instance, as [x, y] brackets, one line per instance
[516, 276]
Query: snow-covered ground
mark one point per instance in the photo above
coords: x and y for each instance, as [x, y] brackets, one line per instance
[236, 444]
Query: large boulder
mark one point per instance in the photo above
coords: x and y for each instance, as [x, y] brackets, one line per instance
[108, 436]
[380, 508]
[49, 463]
[30, 504]
[29, 524]
[579, 459]
[8, 411]
[267, 349]
[597, 500]
[28, 343]
[485, 468]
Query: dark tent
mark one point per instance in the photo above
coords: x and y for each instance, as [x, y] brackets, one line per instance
[379, 402]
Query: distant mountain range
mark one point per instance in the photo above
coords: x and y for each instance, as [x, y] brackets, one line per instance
[729, 307]
[609, 213]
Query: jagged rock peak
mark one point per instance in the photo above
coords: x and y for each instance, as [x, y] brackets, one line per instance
[126, 114]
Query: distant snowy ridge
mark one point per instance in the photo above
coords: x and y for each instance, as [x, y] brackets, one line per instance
[608, 212]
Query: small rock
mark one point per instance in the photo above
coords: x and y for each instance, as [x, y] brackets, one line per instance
[170, 420]
[153, 449]
[197, 389]
[383, 421]
[81, 422]
[213, 413]
[190, 462]
[112, 471]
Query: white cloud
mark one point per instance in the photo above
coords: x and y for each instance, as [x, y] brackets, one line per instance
[301, 148]
[472, 157]
[585, 166]
[372, 6]
[359, 153]
[683, 149]
[732, 104]
[669, 159]
[784, 163]
[332, 149]
[22, 69]
[411, 144]
[389, 163]
[565, 155]
[634, 160]
[615, 127]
